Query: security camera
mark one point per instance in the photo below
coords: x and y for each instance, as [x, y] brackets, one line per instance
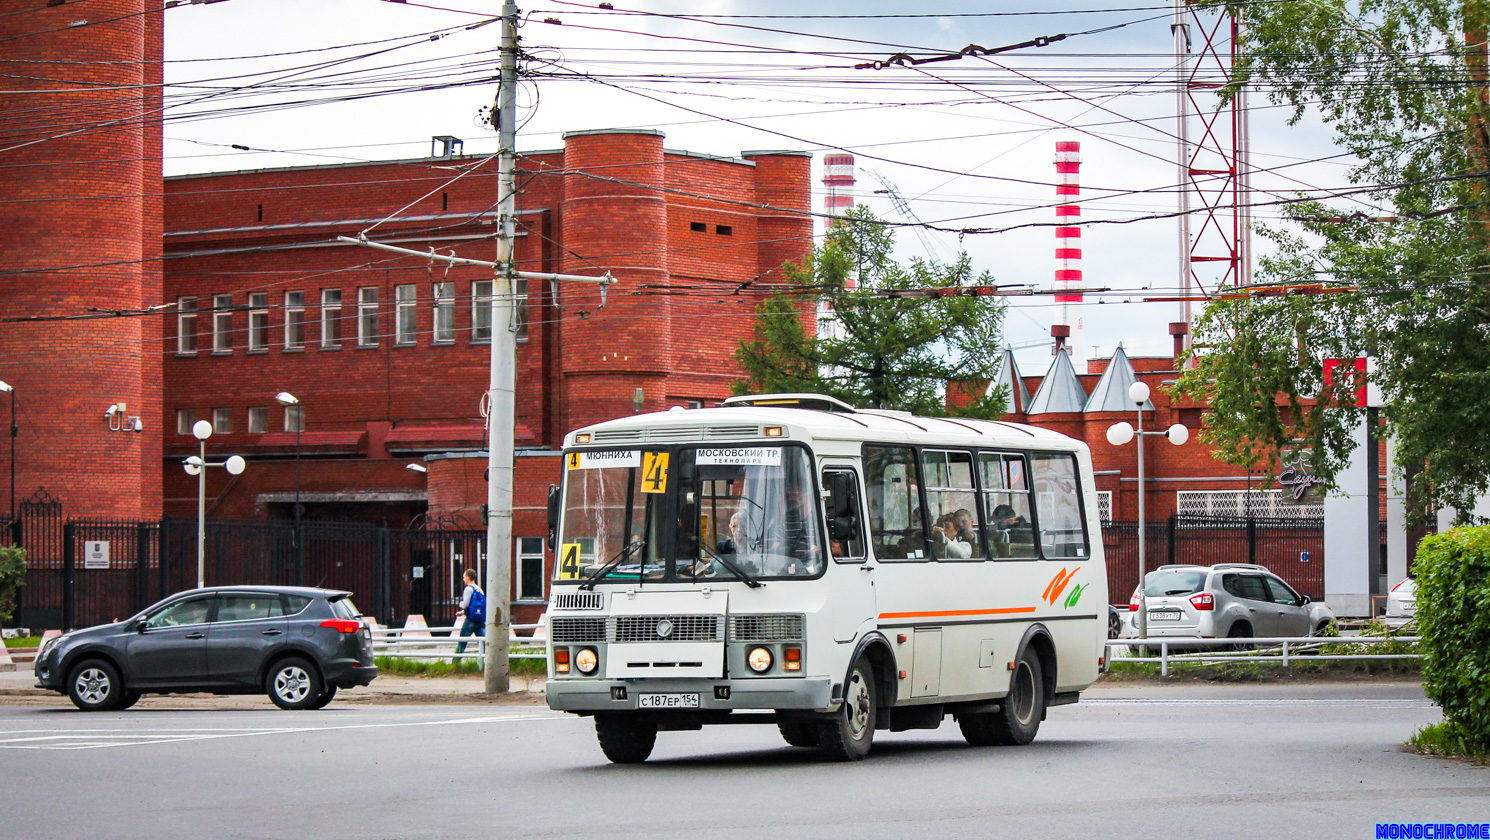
[111, 411]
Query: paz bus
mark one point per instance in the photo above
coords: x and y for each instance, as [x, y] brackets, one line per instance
[789, 559]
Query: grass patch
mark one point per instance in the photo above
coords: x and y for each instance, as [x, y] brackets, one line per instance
[23, 642]
[1261, 672]
[1446, 739]
[469, 666]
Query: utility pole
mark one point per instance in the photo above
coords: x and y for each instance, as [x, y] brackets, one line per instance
[503, 371]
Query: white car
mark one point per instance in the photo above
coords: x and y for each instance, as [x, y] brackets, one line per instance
[1402, 601]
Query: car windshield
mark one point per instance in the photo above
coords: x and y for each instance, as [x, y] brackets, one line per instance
[1173, 582]
[715, 513]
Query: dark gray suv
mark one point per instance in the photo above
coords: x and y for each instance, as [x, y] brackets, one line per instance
[296, 644]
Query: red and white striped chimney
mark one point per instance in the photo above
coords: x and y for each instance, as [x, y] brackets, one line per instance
[1068, 244]
[838, 185]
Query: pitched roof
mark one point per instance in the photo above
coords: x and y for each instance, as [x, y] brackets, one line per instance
[1060, 391]
[1008, 375]
[1111, 393]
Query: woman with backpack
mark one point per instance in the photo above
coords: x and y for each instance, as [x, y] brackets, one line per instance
[473, 607]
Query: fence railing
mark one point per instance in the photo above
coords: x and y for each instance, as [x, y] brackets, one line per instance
[1279, 650]
[1292, 548]
[441, 643]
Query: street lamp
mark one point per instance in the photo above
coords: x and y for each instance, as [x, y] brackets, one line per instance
[196, 465]
[6, 387]
[287, 399]
[1119, 434]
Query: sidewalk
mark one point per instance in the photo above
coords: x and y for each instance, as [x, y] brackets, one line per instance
[18, 688]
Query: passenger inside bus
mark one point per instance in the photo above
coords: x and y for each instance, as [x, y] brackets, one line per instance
[1012, 535]
[949, 540]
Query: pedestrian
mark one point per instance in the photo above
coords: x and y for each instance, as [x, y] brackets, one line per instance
[473, 607]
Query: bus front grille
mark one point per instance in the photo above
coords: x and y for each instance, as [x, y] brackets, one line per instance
[766, 628]
[571, 630]
[579, 601]
[667, 628]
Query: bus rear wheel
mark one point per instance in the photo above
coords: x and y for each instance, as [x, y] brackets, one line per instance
[1018, 717]
[625, 738]
[850, 733]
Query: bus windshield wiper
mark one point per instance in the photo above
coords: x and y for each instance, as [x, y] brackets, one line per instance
[729, 564]
[611, 564]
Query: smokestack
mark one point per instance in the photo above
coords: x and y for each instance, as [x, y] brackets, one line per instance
[1179, 329]
[838, 185]
[1068, 244]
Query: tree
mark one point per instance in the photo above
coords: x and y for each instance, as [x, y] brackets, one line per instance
[881, 351]
[1402, 85]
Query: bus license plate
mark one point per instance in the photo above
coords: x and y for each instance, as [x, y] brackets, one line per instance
[1164, 615]
[667, 701]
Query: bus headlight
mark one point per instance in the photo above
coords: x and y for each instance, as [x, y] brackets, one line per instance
[586, 661]
[759, 660]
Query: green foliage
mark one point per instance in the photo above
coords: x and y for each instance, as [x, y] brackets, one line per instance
[1387, 77]
[1445, 738]
[23, 642]
[465, 666]
[12, 578]
[885, 351]
[1453, 590]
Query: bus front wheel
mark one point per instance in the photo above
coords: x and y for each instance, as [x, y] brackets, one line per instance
[1018, 717]
[850, 733]
[625, 738]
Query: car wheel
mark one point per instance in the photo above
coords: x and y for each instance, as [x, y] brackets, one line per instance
[1324, 627]
[130, 698]
[626, 738]
[293, 684]
[325, 699]
[799, 733]
[1239, 630]
[1018, 718]
[1114, 625]
[850, 734]
[94, 686]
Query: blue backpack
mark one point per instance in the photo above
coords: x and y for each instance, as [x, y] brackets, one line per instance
[477, 610]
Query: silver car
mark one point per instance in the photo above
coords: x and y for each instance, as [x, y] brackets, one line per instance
[1228, 600]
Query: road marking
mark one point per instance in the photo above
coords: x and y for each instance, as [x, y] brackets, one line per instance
[1395, 703]
[95, 738]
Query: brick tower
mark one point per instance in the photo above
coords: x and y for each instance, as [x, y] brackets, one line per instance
[80, 227]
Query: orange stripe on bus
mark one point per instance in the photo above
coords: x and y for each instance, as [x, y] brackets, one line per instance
[944, 613]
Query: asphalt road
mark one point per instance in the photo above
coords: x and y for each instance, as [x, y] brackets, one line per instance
[1134, 761]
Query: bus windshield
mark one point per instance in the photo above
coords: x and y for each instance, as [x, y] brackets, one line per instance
[690, 514]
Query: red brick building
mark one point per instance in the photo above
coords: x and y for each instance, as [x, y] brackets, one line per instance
[388, 355]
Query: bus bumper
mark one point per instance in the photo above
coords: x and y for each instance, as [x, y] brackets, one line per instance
[810, 693]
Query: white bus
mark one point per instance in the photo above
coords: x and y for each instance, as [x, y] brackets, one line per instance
[789, 559]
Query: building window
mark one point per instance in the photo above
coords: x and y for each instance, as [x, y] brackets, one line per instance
[530, 575]
[294, 418]
[1104, 506]
[185, 417]
[405, 315]
[481, 311]
[367, 316]
[222, 421]
[294, 320]
[444, 296]
[186, 325]
[222, 323]
[1260, 504]
[258, 322]
[258, 420]
[330, 319]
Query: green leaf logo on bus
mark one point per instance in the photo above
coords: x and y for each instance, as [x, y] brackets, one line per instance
[1057, 586]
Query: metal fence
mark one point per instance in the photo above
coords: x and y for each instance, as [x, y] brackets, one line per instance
[1292, 548]
[98, 571]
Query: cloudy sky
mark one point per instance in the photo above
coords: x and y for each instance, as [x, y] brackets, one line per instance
[968, 143]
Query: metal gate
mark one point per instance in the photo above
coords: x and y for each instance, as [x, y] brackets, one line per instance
[40, 521]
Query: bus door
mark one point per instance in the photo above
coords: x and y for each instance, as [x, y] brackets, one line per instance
[852, 602]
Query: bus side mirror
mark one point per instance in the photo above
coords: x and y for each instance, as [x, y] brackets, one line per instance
[553, 516]
[843, 520]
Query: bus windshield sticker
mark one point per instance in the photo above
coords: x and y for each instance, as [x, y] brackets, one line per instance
[740, 456]
[603, 459]
[569, 561]
[654, 473]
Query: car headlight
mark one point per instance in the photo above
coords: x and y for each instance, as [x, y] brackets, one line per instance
[759, 660]
[587, 661]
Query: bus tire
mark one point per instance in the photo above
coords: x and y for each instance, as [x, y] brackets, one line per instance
[850, 733]
[799, 733]
[625, 738]
[1019, 714]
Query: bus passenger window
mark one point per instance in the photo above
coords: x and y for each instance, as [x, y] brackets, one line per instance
[952, 500]
[1058, 504]
[1006, 506]
[845, 516]
[894, 496]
